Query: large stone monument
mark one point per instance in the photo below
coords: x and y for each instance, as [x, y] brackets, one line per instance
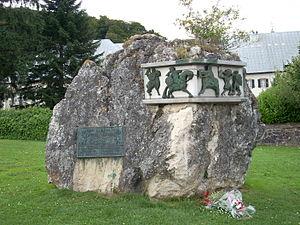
[150, 123]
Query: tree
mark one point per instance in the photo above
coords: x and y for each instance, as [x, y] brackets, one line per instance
[281, 102]
[93, 24]
[214, 26]
[68, 43]
[44, 49]
[21, 31]
[118, 30]
[102, 27]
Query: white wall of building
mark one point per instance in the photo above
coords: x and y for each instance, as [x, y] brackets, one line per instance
[16, 102]
[259, 82]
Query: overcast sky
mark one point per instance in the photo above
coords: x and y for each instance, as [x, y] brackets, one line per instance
[160, 15]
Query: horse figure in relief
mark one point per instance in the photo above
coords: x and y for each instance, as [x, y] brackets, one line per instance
[177, 81]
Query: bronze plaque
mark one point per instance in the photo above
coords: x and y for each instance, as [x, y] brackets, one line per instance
[95, 142]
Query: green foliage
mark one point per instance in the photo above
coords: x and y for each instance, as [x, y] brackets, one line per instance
[27, 124]
[182, 52]
[44, 50]
[272, 187]
[117, 31]
[93, 25]
[68, 43]
[281, 102]
[214, 26]
[21, 31]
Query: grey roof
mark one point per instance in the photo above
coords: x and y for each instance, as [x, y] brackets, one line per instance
[268, 52]
[107, 47]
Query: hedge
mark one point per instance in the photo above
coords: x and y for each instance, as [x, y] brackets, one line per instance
[281, 102]
[25, 124]
[275, 107]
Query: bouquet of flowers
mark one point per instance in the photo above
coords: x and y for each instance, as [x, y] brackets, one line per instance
[231, 202]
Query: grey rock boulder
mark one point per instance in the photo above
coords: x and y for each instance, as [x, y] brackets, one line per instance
[170, 150]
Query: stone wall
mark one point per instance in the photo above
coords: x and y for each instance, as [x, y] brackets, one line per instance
[281, 134]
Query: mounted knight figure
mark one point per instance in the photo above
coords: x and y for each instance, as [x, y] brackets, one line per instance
[177, 81]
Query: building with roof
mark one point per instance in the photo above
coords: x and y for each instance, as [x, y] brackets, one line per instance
[107, 47]
[265, 54]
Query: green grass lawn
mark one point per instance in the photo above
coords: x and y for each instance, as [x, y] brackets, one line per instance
[272, 186]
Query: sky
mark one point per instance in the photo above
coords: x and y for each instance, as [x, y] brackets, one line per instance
[161, 15]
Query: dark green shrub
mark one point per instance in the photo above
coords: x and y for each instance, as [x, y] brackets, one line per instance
[281, 102]
[25, 124]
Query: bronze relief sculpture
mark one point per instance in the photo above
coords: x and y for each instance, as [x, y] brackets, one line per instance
[232, 82]
[208, 80]
[154, 82]
[177, 81]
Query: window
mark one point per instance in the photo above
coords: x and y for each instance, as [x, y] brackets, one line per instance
[263, 83]
[251, 83]
[259, 83]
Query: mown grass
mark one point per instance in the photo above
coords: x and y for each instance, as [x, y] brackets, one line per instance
[272, 186]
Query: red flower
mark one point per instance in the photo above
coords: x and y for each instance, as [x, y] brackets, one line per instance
[206, 200]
